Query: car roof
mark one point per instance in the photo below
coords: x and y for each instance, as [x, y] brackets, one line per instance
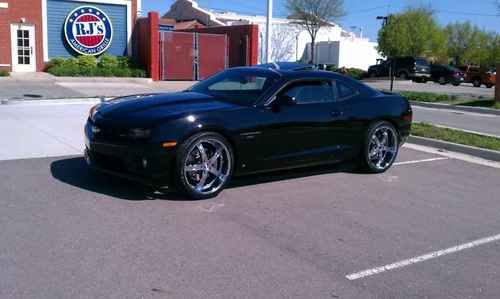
[293, 74]
[287, 66]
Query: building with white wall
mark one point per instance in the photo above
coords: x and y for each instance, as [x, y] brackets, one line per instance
[289, 41]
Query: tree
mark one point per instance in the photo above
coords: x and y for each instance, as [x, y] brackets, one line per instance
[413, 32]
[463, 42]
[468, 44]
[283, 41]
[312, 15]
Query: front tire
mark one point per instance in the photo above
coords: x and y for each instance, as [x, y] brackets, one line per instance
[381, 147]
[204, 165]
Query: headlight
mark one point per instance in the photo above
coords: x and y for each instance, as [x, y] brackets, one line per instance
[139, 133]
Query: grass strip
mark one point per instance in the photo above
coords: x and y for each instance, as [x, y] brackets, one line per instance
[430, 97]
[455, 136]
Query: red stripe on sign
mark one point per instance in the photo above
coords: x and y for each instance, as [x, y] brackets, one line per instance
[90, 41]
[87, 18]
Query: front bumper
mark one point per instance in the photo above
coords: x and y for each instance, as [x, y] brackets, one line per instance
[145, 163]
[421, 75]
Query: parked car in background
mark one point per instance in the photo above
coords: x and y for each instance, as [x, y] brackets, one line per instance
[444, 74]
[414, 68]
[479, 76]
[492, 77]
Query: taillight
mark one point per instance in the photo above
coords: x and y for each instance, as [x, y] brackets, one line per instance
[407, 117]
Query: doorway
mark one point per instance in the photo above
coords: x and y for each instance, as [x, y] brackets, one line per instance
[23, 48]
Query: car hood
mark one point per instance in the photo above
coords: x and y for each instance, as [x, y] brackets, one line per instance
[149, 109]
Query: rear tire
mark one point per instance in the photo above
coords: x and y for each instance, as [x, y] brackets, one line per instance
[489, 85]
[381, 147]
[476, 83]
[403, 75]
[204, 165]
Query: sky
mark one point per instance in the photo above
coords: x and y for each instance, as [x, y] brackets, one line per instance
[363, 13]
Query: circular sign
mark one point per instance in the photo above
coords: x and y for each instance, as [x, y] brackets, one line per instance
[88, 30]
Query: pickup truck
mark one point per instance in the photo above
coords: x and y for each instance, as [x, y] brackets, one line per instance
[479, 76]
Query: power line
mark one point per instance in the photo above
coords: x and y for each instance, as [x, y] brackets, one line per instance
[464, 13]
[361, 11]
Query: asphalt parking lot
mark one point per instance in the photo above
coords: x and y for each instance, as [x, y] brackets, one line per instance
[67, 233]
[428, 228]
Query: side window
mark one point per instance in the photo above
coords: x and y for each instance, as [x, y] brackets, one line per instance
[345, 91]
[311, 92]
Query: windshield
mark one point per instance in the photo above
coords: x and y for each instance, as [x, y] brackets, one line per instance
[237, 86]
[421, 62]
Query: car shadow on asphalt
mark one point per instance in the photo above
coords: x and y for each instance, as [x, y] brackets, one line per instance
[75, 172]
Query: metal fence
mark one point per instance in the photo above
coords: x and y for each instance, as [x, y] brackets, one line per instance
[191, 55]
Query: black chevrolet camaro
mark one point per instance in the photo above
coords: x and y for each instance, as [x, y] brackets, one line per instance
[245, 120]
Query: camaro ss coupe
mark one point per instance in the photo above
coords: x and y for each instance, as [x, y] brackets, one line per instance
[245, 120]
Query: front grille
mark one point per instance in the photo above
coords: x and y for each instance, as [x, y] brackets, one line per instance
[108, 162]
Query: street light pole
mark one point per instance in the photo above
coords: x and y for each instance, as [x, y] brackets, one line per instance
[269, 29]
[385, 22]
[497, 85]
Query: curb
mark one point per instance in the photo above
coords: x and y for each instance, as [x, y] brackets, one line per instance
[455, 147]
[55, 101]
[480, 110]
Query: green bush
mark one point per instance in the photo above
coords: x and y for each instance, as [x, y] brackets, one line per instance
[138, 73]
[105, 66]
[56, 61]
[4, 73]
[108, 62]
[124, 61]
[87, 65]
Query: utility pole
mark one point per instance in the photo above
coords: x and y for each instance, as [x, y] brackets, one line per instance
[385, 21]
[269, 30]
[497, 85]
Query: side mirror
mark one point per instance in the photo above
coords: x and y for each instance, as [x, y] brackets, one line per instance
[285, 100]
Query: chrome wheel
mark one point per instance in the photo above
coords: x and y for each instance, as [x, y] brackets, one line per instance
[207, 166]
[382, 147]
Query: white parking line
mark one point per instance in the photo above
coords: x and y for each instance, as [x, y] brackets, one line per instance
[422, 258]
[420, 161]
[452, 111]
[452, 155]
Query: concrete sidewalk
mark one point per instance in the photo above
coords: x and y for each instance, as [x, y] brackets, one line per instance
[45, 86]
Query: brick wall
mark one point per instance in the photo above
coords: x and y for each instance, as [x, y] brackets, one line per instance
[146, 44]
[31, 10]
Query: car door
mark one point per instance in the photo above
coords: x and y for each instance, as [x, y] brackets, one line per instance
[352, 125]
[300, 132]
[436, 72]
